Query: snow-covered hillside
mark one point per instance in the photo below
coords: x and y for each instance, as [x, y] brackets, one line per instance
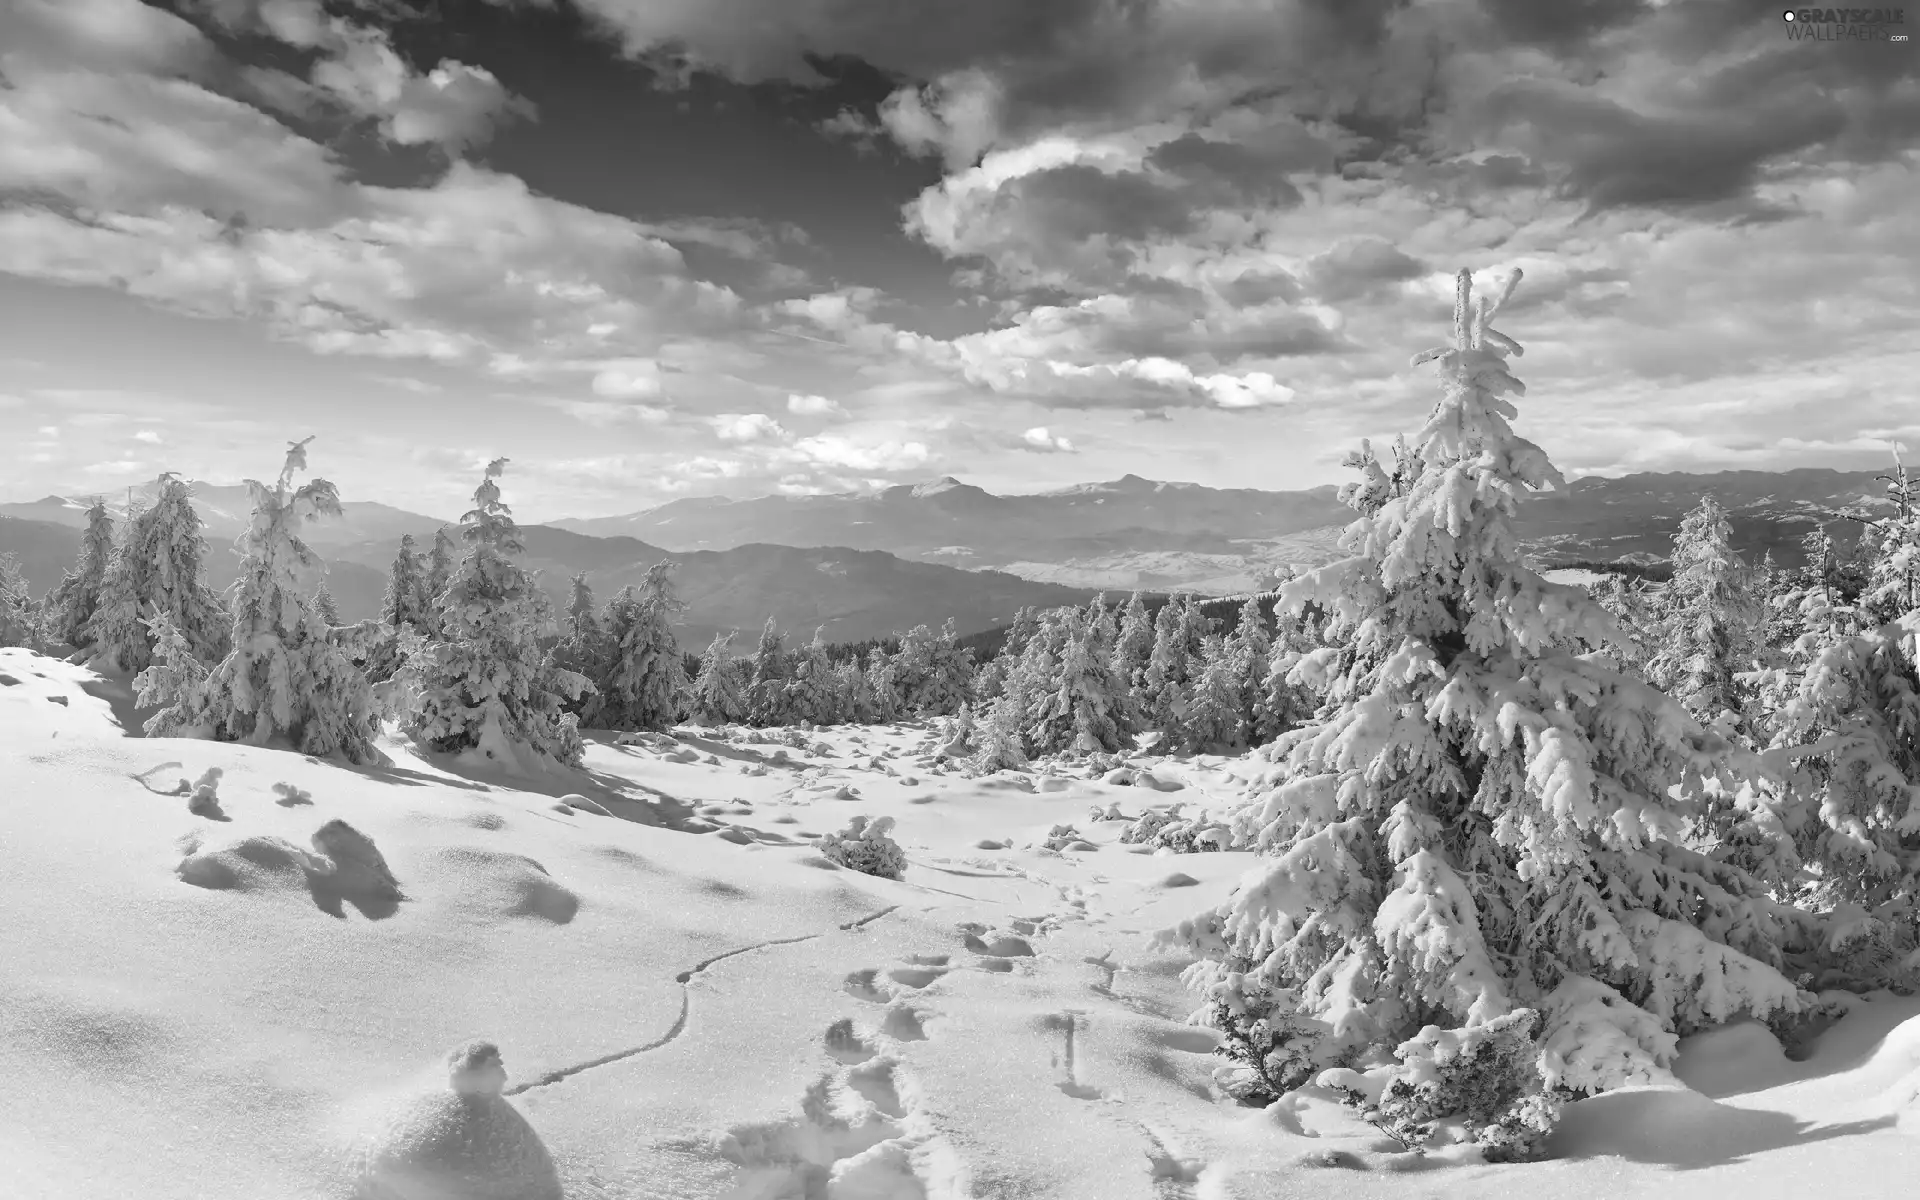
[691, 1001]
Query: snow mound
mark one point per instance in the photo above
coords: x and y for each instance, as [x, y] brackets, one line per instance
[461, 1140]
[505, 885]
[345, 868]
[1742, 1056]
[258, 863]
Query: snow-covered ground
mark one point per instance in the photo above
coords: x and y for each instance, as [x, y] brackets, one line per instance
[692, 1002]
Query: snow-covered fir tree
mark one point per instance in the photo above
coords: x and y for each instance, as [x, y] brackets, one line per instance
[584, 649]
[1709, 621]
[408, 600]
[1486, 820]
[719, 693]
[1080, 707]
[441, 559]
[645, 684]
[485, 685]
[932, 671]
[1285, 700]
[812, 693]
[767, 682]
[159, 567]
[1893, 575]
[285, 681]
[1250, 646]
[1215, 718]
[856, 692]
[882, 693]
[1001, 742]
[20, 618]
[324, 605]
[1162, 695]
[1843, 727]
[1133, 645]
[71, 604]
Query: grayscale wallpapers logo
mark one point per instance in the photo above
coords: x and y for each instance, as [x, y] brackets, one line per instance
[1846, 24]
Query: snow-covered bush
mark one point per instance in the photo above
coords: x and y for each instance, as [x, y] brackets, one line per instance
[1269, 1047]
[1483, 814]
[285, 679]
[486, 686]
[865, 846]
[1484, 1077]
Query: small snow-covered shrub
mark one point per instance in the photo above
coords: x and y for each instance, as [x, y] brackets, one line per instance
[1485, 1077]
[864, 846]
[1182, 835]
[1270, 1047]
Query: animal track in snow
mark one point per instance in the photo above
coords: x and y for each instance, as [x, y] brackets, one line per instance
[680, 1022]
[857, 1136]
[1068, 1023]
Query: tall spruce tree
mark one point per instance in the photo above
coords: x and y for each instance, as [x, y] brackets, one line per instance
[645, 684]
[1709, 621]
[719, 694]
[159, 567]
[767, 684]
[75, 598]
[1466, 739]
[584, 649]
[408, 600]
[285, 681]
[1081, 707]
[485, 685]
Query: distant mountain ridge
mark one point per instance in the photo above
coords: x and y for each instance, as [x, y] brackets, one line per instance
[868, 565]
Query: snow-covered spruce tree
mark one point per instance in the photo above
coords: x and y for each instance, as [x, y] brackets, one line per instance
[812, 693]
[1133, 643]
[718, 695]
[1484, 821]
[175, 684]
[485, 685]
[856, 693]
[408, 600]
[20, 619]
[1843, 719]
[767, 684]
[159, 567]
[1708, 621]
[1251, 645]
[324, 605]
[71, 604]
[1081, 708]
[1162, 695]
[882, 694]
[646, 683]
[1001, 742]
[285, 681]
[950, 683]
[584, 649]
[1215, 717]
[1893, 574]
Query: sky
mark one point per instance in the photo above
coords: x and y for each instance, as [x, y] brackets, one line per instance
[651, 249]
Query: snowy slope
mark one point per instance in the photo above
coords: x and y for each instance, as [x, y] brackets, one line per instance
[692, 1003]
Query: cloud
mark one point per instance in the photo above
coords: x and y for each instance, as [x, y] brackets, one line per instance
[602, 414]
[634, 378]
[814, 406]
[748, 427]
[148, 436]
[454, 105]
[1039, 439]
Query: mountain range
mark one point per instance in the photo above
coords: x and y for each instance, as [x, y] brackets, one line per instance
[866, 565]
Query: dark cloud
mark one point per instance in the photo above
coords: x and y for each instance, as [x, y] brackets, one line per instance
[1080, 203]
[1225, 174]
[1561, 24]
[1360, 267]
[1253, 289]
[1613, 156]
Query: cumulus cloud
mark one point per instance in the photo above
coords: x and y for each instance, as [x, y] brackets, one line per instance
[633, 378]
[748, 427]
[814, 406]
[1039, 439]
[454, 105]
